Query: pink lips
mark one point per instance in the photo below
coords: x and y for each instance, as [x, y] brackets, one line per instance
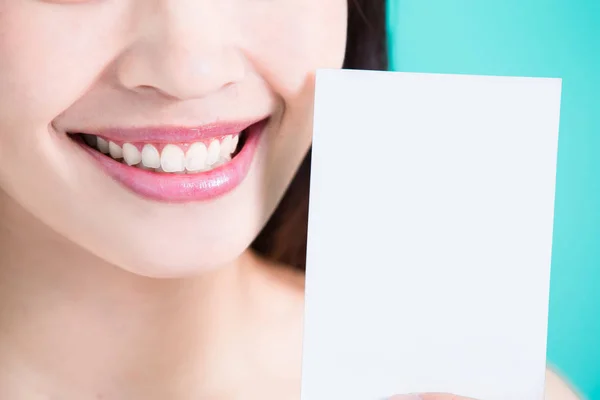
[173, 134]
[181, 187]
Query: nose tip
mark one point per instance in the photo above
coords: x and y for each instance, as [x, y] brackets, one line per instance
[179, 72]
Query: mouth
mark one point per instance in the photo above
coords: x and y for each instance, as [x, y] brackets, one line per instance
[175, 164]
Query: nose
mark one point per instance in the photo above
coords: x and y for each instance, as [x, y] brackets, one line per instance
[182, 49]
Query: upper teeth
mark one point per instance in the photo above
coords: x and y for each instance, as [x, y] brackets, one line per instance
[177, 158]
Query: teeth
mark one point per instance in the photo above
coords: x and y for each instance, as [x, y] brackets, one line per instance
[199, 156]
[195, 158]
[131, 154]
[115, 150]
[234, 143]
[150, 156]
[221, 161]
[102, 145]
[172, 159]
[226, 146]
[214, 150]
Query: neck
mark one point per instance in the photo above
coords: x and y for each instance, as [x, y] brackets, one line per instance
[73, 326]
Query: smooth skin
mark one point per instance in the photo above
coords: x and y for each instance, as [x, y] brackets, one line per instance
[104, 294]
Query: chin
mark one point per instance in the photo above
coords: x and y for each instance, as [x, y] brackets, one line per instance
[175, 241]
[173, 245]
[175, 264]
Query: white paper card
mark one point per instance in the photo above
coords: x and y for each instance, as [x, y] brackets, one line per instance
[430, 235]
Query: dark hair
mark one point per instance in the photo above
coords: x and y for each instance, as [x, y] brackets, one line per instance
[284, 237]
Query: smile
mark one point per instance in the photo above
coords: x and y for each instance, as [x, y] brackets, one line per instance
[175, 164]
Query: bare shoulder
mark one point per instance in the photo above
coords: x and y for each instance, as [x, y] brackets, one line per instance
[558, 389]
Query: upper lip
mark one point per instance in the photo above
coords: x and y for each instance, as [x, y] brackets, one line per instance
[172, 133]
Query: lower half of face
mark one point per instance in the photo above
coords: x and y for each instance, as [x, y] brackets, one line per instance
[159, 136]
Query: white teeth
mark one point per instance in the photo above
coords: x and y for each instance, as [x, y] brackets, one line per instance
[195, 158]
[131, 154]
[234, 143]
[150, 156]
[115, 150]
[214, 149]
[226, 146]
[221, 161]
[102, 145]
[172, 159]
[198, 158]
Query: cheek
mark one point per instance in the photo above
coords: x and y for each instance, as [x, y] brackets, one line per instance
[48, 63]
[291, 39]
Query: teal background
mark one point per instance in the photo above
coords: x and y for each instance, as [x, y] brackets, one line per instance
[542, 38]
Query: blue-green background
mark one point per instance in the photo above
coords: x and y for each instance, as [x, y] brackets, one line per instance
[547, 38]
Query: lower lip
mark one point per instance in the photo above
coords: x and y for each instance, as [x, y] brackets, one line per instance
[182, 188]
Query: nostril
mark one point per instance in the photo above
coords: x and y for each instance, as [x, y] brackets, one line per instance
[148, 90]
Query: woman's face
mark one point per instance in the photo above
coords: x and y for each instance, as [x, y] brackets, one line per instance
[171, 83]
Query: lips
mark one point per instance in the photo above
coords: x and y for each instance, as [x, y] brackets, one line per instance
[175, 164]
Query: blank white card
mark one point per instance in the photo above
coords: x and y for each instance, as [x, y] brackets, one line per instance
[430, 235]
